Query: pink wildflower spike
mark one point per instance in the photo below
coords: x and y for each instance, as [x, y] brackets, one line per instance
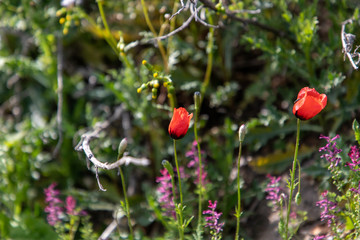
[212, 221]
[328, 207]
[166, 199]
[53, 208]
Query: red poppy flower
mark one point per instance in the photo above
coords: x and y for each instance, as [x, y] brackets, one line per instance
[179, 123]
[309, 103]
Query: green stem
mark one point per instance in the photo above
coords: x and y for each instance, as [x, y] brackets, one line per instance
[180, 207]
[176, 207]
[238, 210]
[127, 208]
[200, 186]
[108, 36]
[292, 180]
[209, 49]
[152, 29]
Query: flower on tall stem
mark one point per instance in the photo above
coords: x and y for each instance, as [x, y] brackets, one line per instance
[179, 123]
[242, 132]
[178, 128]
[309, 103]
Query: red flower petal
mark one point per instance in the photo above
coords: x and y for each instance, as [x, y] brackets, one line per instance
[309, 103]
[179, 123]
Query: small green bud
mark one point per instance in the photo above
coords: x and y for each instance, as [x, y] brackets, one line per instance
[197, 100]
[156, 84]
[147, 65]
[242, 132]
[154, 93]
[168, 167]
[171, 89]
[122, 147]
[298, 198]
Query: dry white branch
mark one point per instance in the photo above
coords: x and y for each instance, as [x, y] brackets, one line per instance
[347, 40]
[84, 145]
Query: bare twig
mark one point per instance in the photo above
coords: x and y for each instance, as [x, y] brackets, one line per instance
[118, 215]
[254, 22]
[180, 10]
[179, 29]
[347, 40]
[84, 145]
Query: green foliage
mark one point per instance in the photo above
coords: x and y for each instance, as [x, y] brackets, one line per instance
[247, 73]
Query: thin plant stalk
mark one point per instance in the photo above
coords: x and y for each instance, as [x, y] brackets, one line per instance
[200, 186]
[152, 29]
[180, 206]
[292, 179]
[209, 50]
[108, 36]
[111, 40]
[179, 220]
[127, 207]
[238, 209]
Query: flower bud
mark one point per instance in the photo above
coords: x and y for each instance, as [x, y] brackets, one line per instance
[179, 123]
[62, 20]
[154, 93]
[156, 84]
[147, 65]
[122, 147]
[197, 101]
[242, 132]
[298, 198]
[168, 167]
[60, 12]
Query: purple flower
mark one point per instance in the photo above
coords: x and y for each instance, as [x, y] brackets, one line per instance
[354, 157]
[70, 205]
[356, 190]
[331, 149]
[319, 237]
[273, 189]
[212, 221]
[194, 163]
[328, 209]
[166, 199]
[53, 208]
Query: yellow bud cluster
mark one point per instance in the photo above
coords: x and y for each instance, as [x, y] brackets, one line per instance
[62, 20]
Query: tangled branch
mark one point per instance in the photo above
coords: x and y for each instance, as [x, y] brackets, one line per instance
[347, 40]
[84, 145]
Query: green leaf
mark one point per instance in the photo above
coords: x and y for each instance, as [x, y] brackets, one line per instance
[168, 167]
[356, 128]
[188, 221]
